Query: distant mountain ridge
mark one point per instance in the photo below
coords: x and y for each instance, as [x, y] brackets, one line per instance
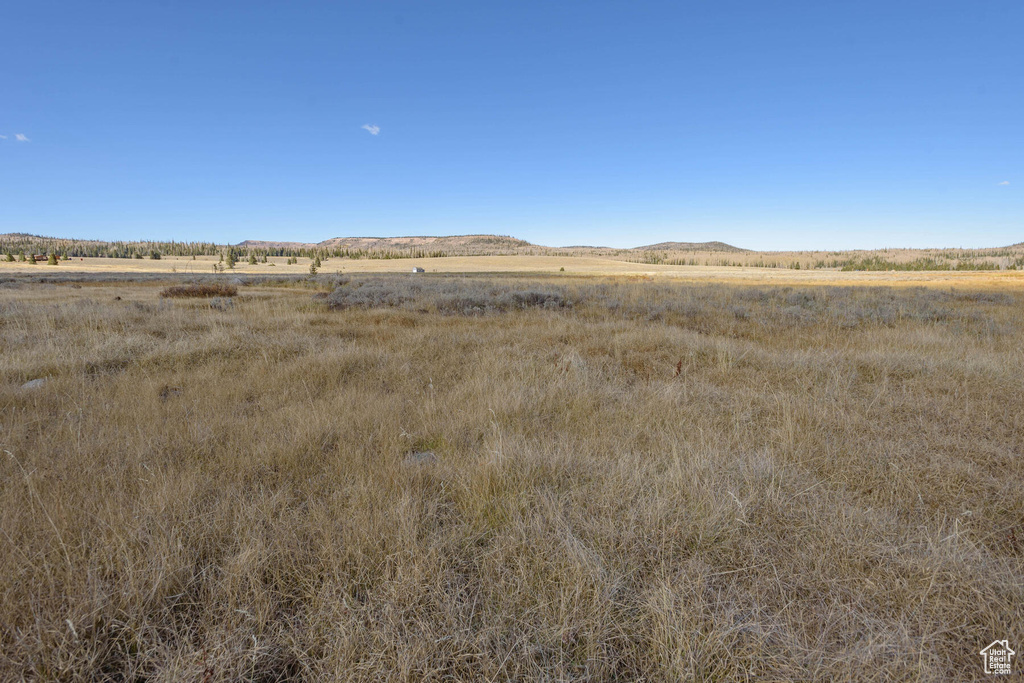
[427, 242]
[470, 243]
[465, 243]
[353, 247]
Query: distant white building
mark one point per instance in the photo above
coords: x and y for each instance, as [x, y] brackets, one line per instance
[417, 269]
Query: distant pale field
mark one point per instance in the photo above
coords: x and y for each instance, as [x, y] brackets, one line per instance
[533, 264]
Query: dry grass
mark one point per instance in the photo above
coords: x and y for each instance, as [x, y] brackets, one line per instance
[662, 481]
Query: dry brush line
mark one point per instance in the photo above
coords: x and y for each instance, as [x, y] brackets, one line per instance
[199, 291]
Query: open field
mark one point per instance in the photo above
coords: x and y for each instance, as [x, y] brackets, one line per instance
[547, 265]
[702, 476]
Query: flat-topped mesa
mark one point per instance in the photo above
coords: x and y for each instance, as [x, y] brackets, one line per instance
[464, 242]
[461, 244]
[691, 246]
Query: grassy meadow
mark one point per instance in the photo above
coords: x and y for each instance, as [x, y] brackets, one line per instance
[569, 265]
[543, 477]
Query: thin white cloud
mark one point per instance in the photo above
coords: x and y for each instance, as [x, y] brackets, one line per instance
[21, 138]
[1005, 182]
[371, 129]
[3, 137]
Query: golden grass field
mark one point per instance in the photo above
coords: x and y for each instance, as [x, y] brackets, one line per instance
[496, 477]
[547, 265]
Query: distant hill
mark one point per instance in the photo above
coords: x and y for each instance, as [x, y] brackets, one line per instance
[690, 246]
[460, 242]
[454, 243]
[24, 236]
[269, 244]
[469, 244]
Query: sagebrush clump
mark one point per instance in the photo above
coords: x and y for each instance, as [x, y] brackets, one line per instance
[199, 291]
[449, 295]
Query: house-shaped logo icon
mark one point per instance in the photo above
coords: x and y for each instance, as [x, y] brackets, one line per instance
[997, 657]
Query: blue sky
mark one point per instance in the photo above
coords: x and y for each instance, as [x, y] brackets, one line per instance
[770, 125]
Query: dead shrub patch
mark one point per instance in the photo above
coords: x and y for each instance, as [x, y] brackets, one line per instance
[198, 291]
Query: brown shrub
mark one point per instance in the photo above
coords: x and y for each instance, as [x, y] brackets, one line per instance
[198, 291]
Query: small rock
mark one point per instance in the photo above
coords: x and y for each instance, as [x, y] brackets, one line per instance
[34, 383]
[237, 281]
[421, 458]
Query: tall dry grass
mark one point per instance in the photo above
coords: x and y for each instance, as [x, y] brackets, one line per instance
[658, 482]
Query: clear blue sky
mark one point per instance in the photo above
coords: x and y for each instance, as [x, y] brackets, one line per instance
[767, 124]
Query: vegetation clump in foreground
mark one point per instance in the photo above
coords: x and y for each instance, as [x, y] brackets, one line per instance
[660, 482]
[451, 295]
[199, 291]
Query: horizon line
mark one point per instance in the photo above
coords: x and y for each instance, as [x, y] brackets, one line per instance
[512, 237]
